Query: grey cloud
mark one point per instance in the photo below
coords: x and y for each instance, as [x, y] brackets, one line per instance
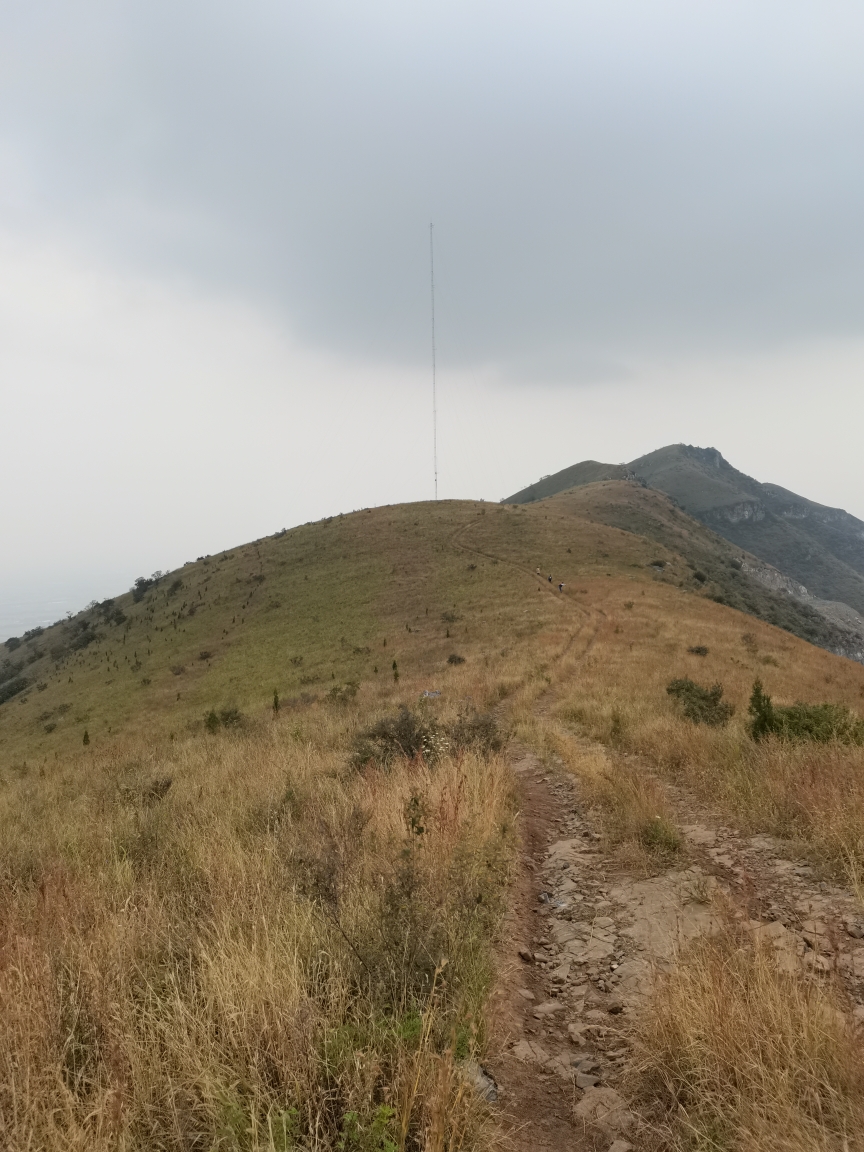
[607, 179]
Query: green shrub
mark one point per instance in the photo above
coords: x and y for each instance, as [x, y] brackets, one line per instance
[453, 658]
[698, 650]
[659, 835]
[12, 687]
[225, 718]
[405, 734]
[142, 586]
[408, 735]
[701, 705]
[9, 671]
[821, 723]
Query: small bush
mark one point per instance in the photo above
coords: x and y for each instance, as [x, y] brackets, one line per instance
[701, 705]
[660, 835]
[9, 671]
[343, 693]
[700, 576]
[225, 718]
[409, 735]
[142, 586]
[405, 734]
[454, 659]
[821, 723]
[81, 635]
[12, 688]
[698, 650]
[477, 731]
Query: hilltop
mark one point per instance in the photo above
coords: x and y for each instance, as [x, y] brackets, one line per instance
[325, 609]
[385, 826]
[817, 552]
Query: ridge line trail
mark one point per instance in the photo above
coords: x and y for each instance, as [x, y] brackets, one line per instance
[590, 926]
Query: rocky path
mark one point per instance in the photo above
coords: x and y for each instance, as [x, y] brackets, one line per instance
[588, 935]
[557, 1020]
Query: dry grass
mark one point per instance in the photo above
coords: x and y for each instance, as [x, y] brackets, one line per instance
[736, 1055]
[617, 695]
[277, 951]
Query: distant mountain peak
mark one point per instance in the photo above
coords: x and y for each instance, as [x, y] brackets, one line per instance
[815, 546]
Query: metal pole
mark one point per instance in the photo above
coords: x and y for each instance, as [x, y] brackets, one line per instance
[434, 382]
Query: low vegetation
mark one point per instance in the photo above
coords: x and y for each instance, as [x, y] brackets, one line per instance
[412, 735]
[824, 723]
[701, 705]
[258, 910]
[240, 942]
[735, 1054]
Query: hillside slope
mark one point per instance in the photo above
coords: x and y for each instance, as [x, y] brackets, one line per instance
[821, 548]
[284, 929]
[325, 609]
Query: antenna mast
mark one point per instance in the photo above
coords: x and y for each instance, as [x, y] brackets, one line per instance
[434, 388]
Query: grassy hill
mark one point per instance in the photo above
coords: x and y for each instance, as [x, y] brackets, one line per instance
[326, 608]
[322, 607]
[819, 547]
[232, 926]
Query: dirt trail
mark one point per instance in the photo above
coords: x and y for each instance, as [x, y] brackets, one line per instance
[556, 1032]
[588, 934]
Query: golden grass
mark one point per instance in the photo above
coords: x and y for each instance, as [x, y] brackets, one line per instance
[813, 793]
[736, 1055]
[268, 952]
[271, 953]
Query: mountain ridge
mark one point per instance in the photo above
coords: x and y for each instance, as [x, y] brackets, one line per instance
[818, 550]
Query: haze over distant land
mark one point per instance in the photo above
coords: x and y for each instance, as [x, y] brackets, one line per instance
[214, 300]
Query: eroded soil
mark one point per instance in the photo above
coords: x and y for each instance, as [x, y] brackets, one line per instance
[589, 932]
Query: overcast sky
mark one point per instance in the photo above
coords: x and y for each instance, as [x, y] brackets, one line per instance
[214, 260]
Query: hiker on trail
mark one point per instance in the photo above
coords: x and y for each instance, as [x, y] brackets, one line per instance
[560, 587]
[550, 579]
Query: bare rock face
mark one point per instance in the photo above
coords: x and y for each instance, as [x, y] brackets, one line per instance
[530, 1052]
[664, 914]
[603, 1108]
[482, 1081]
